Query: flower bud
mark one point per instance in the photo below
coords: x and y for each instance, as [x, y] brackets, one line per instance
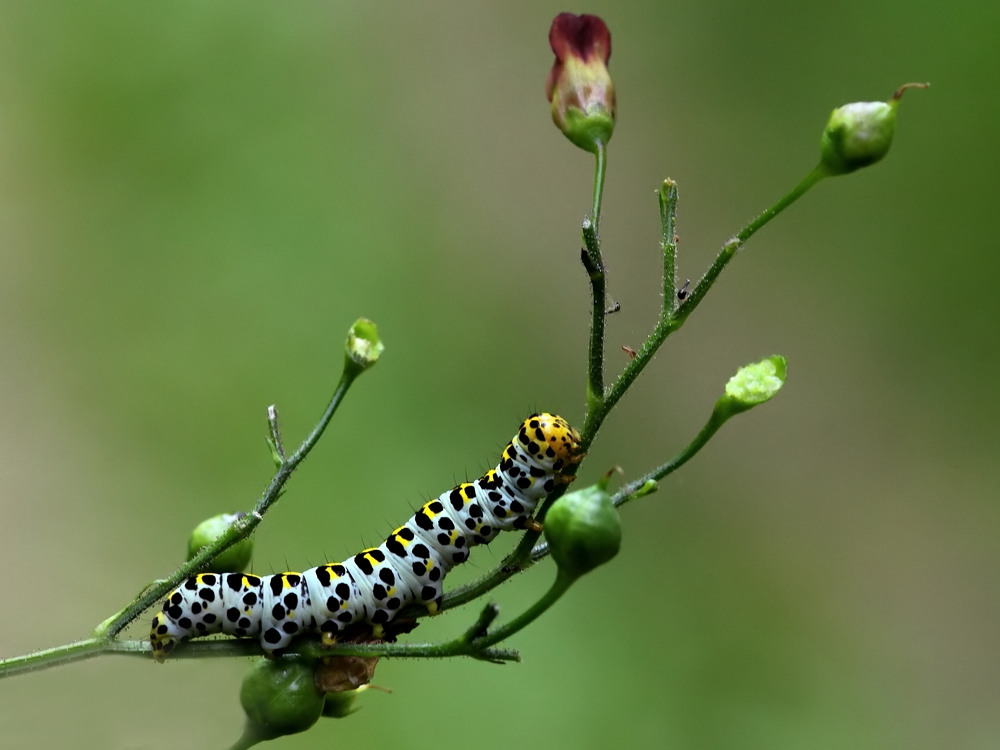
[235, 558]
[279, 697]
[752, 384]
[363, 345]
[583, 529]
[579, 86]
[860, 133]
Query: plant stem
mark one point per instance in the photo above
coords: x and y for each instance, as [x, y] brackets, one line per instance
[730, 248]
[601, 163]
[70, 652]
[103, 640]
[668, 245]
[243, 527]
[817, 174]
[558, 588]
[472, 642]
[634, 489]
[275, 428]
[672, 319]
[594, 264]
[50, 657]
[248, 739]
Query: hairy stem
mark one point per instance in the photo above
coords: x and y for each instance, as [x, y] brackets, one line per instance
[601, 163]
[243, 527]
[668, 246]
[594, 265]
[593, 262]
[672, 318]
[70, 652]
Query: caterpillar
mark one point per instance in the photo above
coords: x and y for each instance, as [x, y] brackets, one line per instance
[373, 585]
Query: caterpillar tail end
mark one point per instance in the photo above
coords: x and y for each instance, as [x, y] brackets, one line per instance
[160, 637]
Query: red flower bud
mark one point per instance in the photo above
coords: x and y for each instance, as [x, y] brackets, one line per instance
[579, 86]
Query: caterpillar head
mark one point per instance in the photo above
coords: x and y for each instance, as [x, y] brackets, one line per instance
[551, 441]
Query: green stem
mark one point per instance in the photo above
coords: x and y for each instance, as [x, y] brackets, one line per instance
[473, 642]
[817, 174]
[277, 446]
[103, 640]
[284, 473]
[250, 737]
[230, 648]
[671, 320]
[245, 525]
[668, 244]
[558, 588]
[70, 652]
[457, 647]
[729, 250]
[50, 657]
[636, 488]
[601, 163]
[594, 264]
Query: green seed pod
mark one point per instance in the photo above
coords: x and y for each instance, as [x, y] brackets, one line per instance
[583, 529]
[280, 697]
[235, 558]
[860, 133]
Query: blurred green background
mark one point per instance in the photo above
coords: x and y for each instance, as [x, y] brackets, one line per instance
[197, 199]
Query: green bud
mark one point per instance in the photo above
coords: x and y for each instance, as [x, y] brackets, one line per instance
[583, 529]
[279, 697]
[235, 558]
[752, 384]
[860, 133]
[363, 345]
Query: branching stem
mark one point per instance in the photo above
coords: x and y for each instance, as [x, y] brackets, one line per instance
[476, 641]
[103, 640]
